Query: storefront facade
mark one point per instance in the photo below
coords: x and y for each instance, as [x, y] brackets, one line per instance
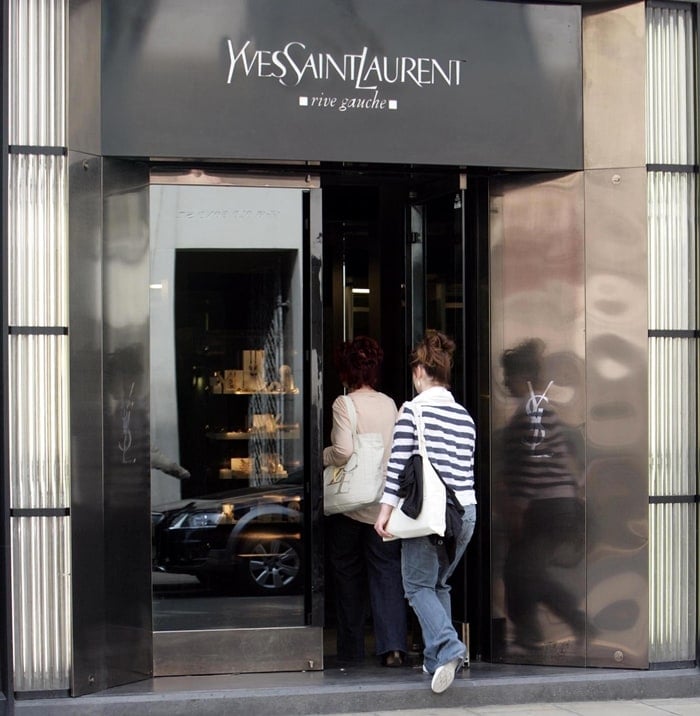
[200, 204]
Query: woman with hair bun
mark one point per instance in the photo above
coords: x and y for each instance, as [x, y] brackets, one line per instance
[359, 558]
[450, 439]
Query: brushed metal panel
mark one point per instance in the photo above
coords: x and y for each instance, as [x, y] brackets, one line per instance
[126, 399]
[226, 176]
[614, 84]
[83, 74]
[538, 490]
[110, 516]
[238, 651]
[87, 493]
[617, 390]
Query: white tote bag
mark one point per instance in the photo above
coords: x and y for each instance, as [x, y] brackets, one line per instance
[360, 482]
[431, 520]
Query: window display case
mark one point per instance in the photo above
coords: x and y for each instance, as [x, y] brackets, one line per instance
[240, 408]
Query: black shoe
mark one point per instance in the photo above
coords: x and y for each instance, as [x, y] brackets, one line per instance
[393, 658]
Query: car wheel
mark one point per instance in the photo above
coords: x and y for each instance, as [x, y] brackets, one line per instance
[272, 566]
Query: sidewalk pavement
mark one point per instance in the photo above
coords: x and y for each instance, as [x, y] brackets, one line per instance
[646, 707]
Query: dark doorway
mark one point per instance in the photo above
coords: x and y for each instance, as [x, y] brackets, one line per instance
[396, 260]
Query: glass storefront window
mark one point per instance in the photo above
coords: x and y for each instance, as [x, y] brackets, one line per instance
[227, 408]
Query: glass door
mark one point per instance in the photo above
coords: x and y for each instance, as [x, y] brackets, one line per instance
[435, 269]
[438, 298]
[231, 557]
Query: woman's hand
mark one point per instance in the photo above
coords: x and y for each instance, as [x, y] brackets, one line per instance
[380, 524]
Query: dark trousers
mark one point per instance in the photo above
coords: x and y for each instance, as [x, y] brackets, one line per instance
[362, 562]
[552, 535]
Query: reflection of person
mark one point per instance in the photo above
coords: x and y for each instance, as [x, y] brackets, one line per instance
[358, 556]
[450, 441]
[546, 517]
[160, 462]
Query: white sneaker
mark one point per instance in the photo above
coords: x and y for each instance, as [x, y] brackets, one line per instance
[444, 676]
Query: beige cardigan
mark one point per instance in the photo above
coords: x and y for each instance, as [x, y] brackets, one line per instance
[376, 413]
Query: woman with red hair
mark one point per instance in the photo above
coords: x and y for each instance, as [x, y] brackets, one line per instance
[361, 561]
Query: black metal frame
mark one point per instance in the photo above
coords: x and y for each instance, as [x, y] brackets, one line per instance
[313, 412]
[477, 387]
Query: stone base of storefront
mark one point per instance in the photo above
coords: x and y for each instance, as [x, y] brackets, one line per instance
[366, 689]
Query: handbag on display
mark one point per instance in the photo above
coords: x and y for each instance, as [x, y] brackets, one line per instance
[431, 518]
[360, 482]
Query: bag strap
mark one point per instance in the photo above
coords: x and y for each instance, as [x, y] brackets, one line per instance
[420, 431]
[352, 413]
[420, 427]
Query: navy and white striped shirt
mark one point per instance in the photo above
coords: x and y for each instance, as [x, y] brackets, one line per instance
[538, 456]
[450, 441]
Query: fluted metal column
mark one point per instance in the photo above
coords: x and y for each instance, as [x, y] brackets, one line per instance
[672, 180]
[38, 458]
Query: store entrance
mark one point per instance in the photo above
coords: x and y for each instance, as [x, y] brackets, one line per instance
[242, 381]
[394, 265]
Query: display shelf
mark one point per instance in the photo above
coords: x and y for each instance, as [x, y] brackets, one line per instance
[255, 392]
[282, 433]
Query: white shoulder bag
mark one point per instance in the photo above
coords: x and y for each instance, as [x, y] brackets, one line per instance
[360, 482]
[431, 520]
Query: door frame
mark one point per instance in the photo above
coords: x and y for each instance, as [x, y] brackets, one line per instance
[269, 649]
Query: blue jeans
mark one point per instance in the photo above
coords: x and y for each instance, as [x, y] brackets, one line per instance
[425, 569]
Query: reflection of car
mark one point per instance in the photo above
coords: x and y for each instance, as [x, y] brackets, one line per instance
[244, 540]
